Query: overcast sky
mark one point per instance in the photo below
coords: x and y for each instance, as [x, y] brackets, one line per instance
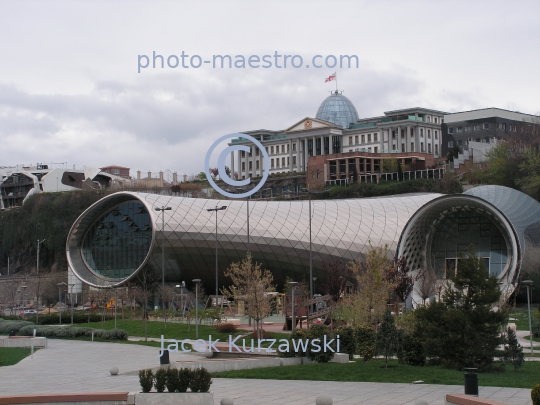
[70, 90]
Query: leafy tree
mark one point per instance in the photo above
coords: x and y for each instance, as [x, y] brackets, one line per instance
[529, 181]
[387, 336]
[513, 350]
[399, 276]
[365, 342]
[427, 284]
[463, 330]
[253, 284]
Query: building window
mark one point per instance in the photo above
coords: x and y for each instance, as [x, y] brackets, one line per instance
[294, 160]
[257, 152]
[436, 120]
[429, 133]
[243, 166]
[436, 135]
[412, 146]
[428, 119]
[375, 137]
[116, 171]
[422, 147]
[288, 161]
[429, 148]
[282, 162]
[450, 144]
[250, 151]
[294, 147]
[363, 139]
[402, 133]
[393, 134]
[257, 165]
[403, 147]
[356, 139]
[450, 130]
[476, 127]
[287, 148]
[375, 149]
[282, 148]
[459, 129]
[436, 149]
[350, 140]
[369, 137]
[272, 150]
[412, 132]
[243, 153]
[486, 125]
[421, 132]
[250, 165]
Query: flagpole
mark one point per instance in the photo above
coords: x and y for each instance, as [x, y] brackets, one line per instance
[335, 74]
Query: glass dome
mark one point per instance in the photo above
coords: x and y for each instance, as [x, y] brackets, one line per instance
[337, 109]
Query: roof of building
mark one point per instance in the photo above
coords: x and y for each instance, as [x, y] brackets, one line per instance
[488, 113]
[113, 167]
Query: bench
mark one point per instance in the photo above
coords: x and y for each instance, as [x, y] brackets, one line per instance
[461, 399]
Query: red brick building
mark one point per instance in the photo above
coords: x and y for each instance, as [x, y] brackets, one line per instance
[117, 171]
[352, 167]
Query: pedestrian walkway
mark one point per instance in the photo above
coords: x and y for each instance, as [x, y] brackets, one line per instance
[81, 366]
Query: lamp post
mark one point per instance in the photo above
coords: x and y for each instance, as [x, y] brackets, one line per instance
[19, 292]
[224, 207]
[293, 320]
[71, 303]
[528, 284]
[197, 281]
[115, 305]
[181, 286]
[60, 299]
[23, 294]
[39, 242]
[163, 209]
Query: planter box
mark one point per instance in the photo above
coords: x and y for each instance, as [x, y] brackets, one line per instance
[175, 398]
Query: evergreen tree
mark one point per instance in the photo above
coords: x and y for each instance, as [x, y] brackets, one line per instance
[387, 336]
[514, 351]
[463, 330]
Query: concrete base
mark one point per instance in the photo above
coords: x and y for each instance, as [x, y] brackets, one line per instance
[176, 398]
[340, 358]
[21, 341]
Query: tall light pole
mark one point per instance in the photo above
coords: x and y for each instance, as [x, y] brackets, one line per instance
[39, 242]
[197, 281]
[60, 299]
[293, 320]
[115, 305]
[163, 209]
[19, 292]
[71, 302]
[23, 294]
[528, 284]
[223, 207]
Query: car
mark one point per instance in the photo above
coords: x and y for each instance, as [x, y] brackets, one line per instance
[30, 311]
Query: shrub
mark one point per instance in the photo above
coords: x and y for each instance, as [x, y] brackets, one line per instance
[535, 325]
[6, 326]
[146, 379]
[72, 333]
[200, 380]
[410, 350]
[535, 394]
[347, 343]
[184, 379]
[160, 380]
[226, 328]
[264, 335]
[365, 342]
[513, 350]
[320, 332]
[296, 335]
[173, 380]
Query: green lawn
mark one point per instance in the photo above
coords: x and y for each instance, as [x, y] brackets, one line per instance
[374, 371]
[522, 316]
[12, 355]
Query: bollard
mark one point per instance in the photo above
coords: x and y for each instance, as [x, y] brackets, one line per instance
[164, 358]
[34, 332]
[32, 352]
[92, 336]
[471, 381]
[226, 401]
[114, 370]
[324, 400]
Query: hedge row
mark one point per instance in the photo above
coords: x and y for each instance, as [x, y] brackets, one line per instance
[25, 328]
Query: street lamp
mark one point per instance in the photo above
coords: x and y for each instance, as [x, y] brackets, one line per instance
[39, 242]
[60, 299]
[23, 294]
[71, 302]
[293, 284]
[224, 207]
[163, 209]
[181, 286]
[197, 281]
[529, 283]
[115, 305]
[19, 292]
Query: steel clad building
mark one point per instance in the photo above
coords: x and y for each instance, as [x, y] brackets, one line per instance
[120, 234]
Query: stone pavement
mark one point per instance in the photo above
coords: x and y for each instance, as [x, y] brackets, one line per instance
[80, 366]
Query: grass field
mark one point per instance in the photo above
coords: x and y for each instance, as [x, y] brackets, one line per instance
[374, 371]
[522, 317]
[12, 355]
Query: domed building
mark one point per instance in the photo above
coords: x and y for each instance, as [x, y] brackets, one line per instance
[339, 110]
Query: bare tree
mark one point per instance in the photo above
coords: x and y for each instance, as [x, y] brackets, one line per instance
[253, 284]
[426, 285]
[146, 280]
[166, 295]
[336, 276]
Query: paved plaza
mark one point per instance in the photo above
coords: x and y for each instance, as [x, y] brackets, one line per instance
[80, 366]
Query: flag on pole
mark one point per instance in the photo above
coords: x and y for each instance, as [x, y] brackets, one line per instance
[330, 78]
